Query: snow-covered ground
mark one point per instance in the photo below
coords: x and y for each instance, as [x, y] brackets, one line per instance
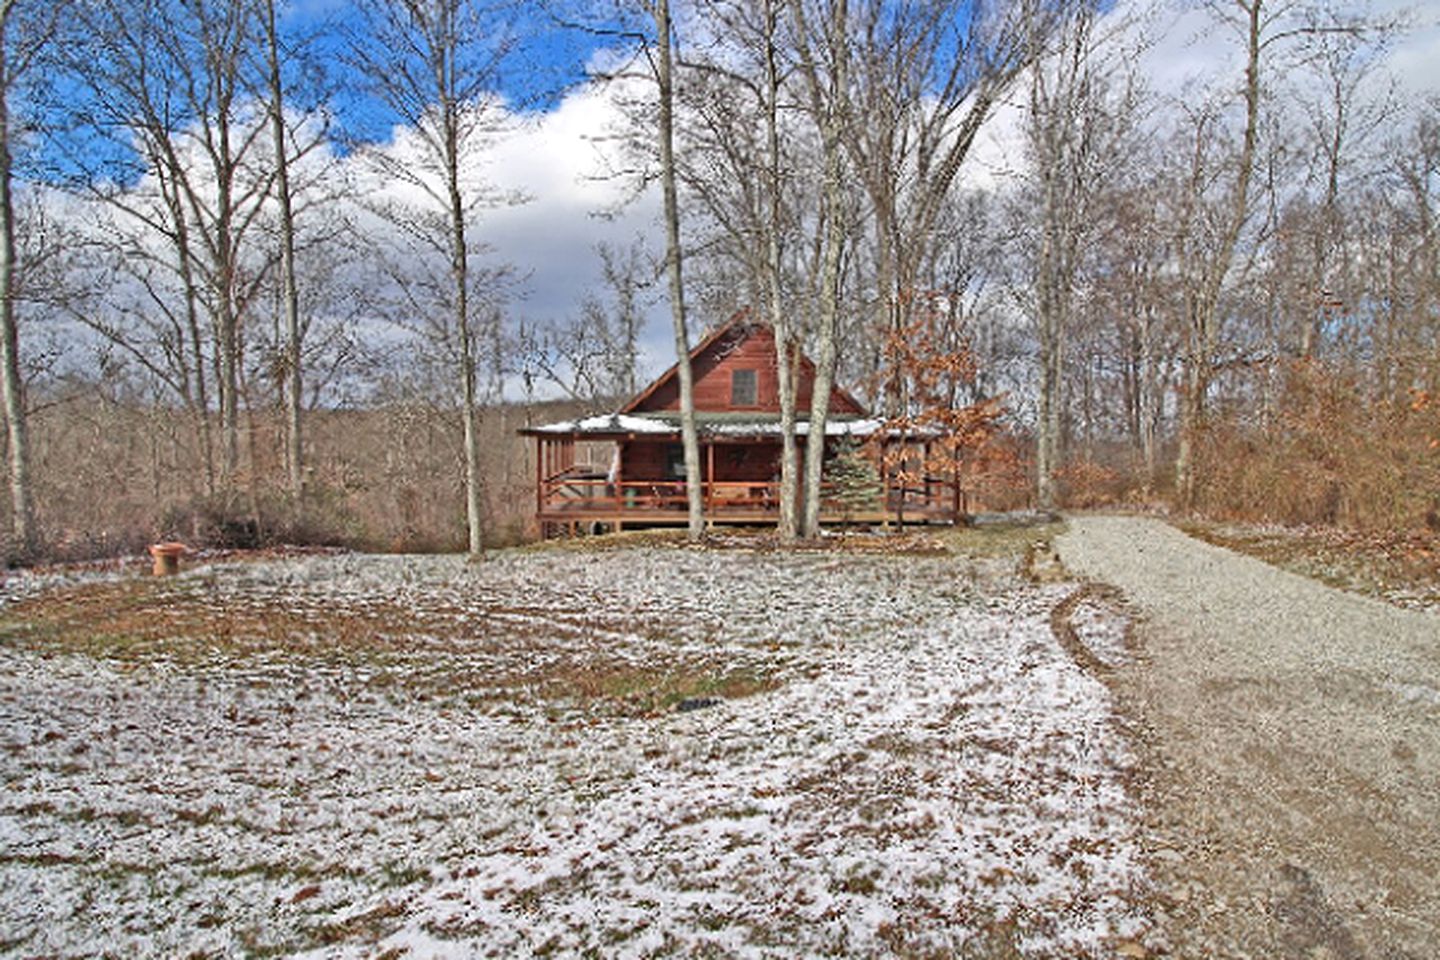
[641, 752]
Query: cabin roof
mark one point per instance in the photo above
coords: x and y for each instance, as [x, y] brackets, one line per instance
[740, 327]
[644, 415]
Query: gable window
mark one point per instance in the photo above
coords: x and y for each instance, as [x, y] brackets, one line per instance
[742, 388]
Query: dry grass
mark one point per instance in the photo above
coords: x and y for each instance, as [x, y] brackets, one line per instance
[389, 478]
[1000, 540]
[352, 754]
[432, 647]
[424, 646]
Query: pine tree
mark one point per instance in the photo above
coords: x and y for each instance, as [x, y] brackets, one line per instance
[854, 481]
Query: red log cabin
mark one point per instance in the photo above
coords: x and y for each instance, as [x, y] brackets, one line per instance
[626, 469]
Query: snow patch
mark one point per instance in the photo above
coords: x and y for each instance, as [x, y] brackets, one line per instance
[928, 772]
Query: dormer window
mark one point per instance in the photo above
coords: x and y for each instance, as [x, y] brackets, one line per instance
[742, 388]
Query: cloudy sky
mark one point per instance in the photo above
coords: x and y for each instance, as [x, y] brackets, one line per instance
[556, 155]
[559, 147]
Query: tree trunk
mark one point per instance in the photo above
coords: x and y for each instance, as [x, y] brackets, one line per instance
[833, 201]
[1049, 308]
[203, 438]
[1064, 100]
[1204, 294]
[294, 448]
[227, 322]
[673, 262]
[785, 339]
[1192, 409]
[1047, 446]
[460, 274]
[23, 539]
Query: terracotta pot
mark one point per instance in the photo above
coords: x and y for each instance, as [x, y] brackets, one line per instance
[167, 558]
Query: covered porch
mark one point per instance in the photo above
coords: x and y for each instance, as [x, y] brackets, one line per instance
[613, 473]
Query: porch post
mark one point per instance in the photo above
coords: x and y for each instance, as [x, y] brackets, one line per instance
[540, 481]
[955, 475]
[885, 482]
[925, 470]
[710, 479]
[619, 480]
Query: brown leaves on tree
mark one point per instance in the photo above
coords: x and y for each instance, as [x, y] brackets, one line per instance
[930, 402]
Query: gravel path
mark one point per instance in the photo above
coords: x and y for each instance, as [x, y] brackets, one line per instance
[1292, 750]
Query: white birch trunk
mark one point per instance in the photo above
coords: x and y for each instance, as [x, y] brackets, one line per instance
[11, 383]
[674, 260]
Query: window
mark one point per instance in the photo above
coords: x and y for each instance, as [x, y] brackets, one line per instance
[675, 461]
[742, 388]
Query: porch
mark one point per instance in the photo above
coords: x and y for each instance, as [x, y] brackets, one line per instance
[580, 499]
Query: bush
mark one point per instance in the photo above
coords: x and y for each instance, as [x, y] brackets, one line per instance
[239, 522]
[1333, 454]
[1085, 484]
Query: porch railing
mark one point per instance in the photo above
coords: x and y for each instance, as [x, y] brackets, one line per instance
[571, 491]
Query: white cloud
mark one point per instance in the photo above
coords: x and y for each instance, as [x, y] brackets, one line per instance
[562, 163]
[560, 160]
[1186, 56]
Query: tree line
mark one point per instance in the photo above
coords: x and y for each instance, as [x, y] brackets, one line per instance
[1227, 297]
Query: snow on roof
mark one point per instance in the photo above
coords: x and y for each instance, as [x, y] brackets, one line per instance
[613, 423]
[833, 428]
[608, 423]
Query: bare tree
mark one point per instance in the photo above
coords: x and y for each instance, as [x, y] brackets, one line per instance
[1217, 203]
[1205, 266]
[26, 28]
[435, 64]
[1344, 114]
[1408, 259]
[674, 262]
[927, 76]
[290, 295]
[1133, 289]
[823, 53]
[592, 355]
[166, 84]
[741, 161]
[1079, 130]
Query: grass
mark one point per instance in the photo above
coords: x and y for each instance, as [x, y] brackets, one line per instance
[418, 646]
[999, 540]
[527, 716]
[985, 541]
[604, 543]
[641, 690]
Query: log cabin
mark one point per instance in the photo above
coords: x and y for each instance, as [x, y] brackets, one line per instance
[626, 469]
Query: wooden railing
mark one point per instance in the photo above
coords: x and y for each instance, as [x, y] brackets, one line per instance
[569, 491]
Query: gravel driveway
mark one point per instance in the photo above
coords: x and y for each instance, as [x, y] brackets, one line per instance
[1292, 750]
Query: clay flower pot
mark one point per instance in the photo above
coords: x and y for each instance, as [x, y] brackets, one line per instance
[167, 558]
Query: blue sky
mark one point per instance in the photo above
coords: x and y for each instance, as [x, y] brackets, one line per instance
[548, 59]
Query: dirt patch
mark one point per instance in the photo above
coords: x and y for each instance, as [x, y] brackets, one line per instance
[1062, 625]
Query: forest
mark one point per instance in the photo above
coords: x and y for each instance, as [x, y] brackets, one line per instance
[253, 290]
